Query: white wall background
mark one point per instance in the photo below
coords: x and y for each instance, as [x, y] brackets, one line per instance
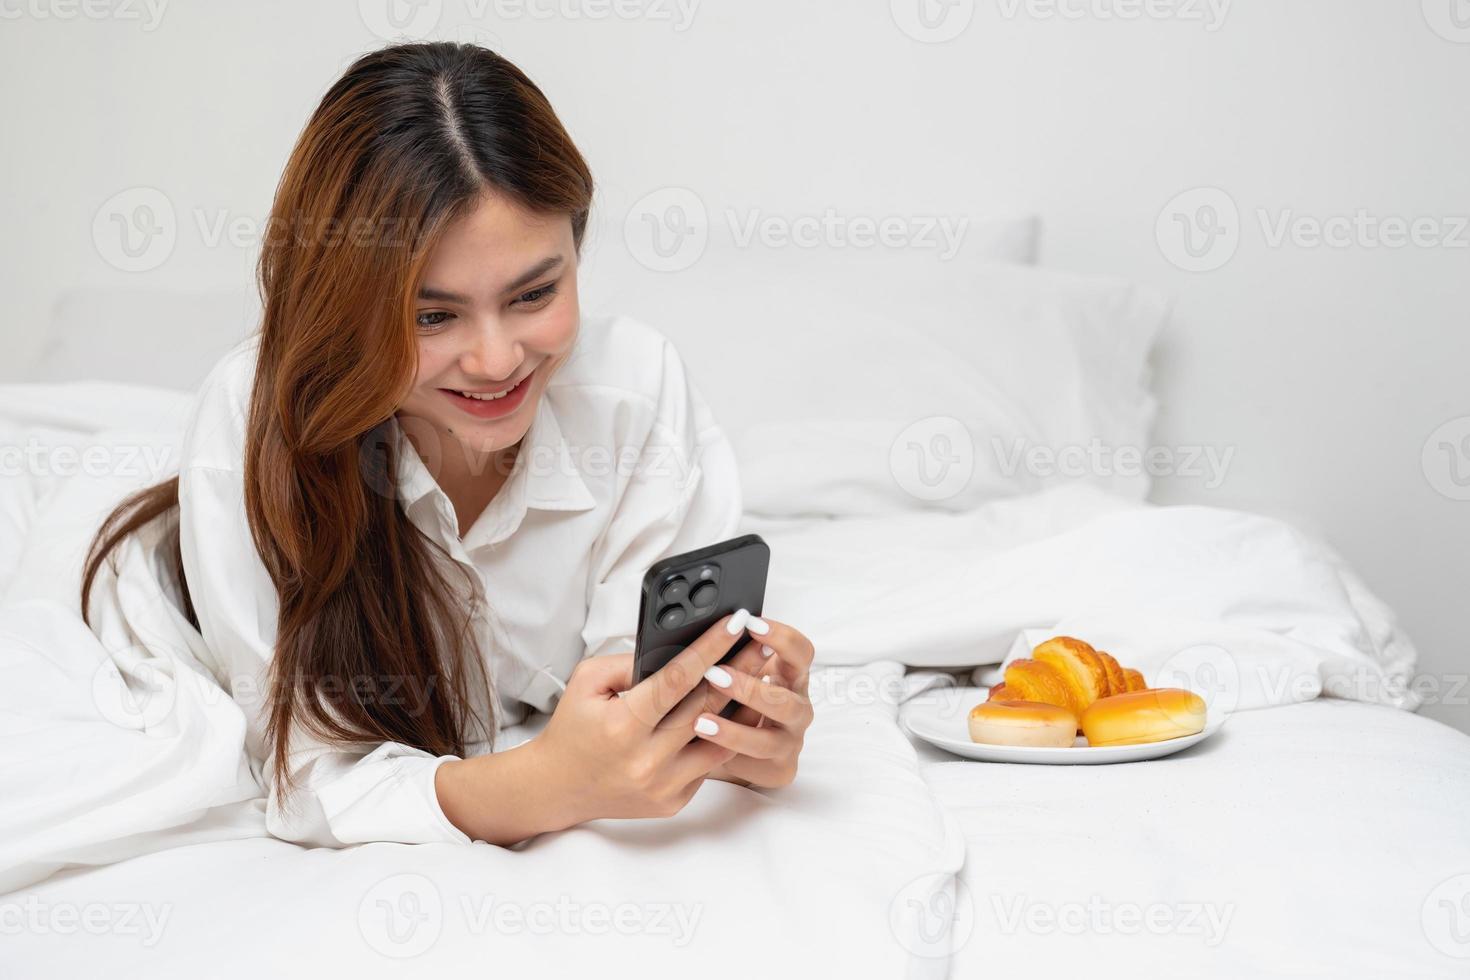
[1324, 369]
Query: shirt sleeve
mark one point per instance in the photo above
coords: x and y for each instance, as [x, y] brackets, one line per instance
[683, 494]
[343, 795]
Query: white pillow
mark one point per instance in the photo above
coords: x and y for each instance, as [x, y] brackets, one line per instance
[865, 383]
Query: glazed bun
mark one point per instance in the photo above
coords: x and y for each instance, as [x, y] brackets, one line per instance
[1022, 723]
[1143, 716]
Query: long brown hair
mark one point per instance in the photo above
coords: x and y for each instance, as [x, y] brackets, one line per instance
[404, 142]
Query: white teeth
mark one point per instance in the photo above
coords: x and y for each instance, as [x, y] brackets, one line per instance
[488, 397]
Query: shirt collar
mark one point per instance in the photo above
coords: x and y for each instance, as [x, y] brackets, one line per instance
[545, 476]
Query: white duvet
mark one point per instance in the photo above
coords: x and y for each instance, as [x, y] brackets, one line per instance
[121, 762]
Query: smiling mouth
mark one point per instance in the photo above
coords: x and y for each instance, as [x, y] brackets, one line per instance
[489, 396]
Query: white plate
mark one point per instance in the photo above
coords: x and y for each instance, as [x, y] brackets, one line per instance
[942, 717]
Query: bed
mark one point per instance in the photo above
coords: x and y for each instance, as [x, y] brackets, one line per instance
[1320, 832]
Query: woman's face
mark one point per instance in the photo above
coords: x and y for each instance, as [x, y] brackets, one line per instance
[496, 316]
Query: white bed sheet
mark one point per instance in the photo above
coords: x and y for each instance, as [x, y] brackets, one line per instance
[1327, 838]
[830, 874]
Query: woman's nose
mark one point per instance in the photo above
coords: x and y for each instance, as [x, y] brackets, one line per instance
[494, 354]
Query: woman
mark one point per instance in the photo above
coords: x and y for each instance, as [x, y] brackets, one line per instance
[422, 499]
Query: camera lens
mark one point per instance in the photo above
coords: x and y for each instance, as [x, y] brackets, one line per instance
[704, 594]
[674, 590]
[670, 616]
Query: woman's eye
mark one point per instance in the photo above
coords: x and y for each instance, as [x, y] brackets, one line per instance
[431, 320]
[537, 295]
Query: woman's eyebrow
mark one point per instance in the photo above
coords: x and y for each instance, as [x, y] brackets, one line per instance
[540, 268]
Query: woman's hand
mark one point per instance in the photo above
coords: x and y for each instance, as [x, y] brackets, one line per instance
[624, 752]
[609, 750]
[769, 679]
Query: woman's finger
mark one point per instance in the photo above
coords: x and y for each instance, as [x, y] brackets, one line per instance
[791, 650]
[782, 705]
[655, 696]
[746, 740]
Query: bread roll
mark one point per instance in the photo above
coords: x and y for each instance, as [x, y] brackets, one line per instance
[1022, 723]
[1143, 716]
[1135, 680]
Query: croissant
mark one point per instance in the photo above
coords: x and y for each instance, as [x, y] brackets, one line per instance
[1069, 673]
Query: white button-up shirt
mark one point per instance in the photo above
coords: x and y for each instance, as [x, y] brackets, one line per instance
[622, 465]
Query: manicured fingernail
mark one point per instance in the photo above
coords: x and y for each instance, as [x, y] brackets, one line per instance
[758, 626]
[706, 727]
[718, 676]
[737, 622]
[766, 679]
[767, 651]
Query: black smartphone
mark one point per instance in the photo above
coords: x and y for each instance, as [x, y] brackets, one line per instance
[683, 595]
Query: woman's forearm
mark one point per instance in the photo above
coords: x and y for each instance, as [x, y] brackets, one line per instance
[504, 797]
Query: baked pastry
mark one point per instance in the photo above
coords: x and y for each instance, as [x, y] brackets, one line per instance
[1080, 666]
[1032, 680]
[1137, 717]
[1117, 680]
[1022, 723]
[1135, 680]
